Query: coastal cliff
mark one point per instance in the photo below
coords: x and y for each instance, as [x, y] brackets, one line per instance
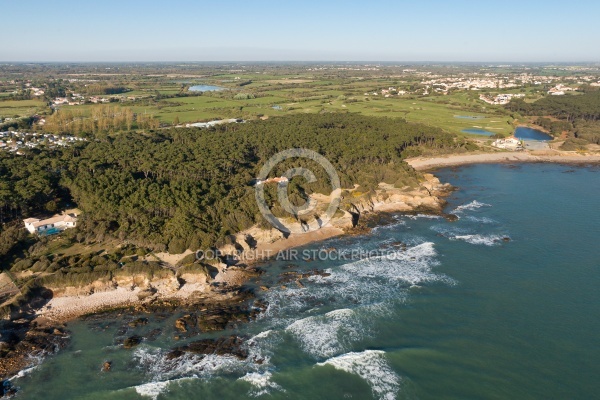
[214, 283]
[181, 281]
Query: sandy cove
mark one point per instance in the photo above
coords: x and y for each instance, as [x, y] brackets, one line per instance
[429, 163]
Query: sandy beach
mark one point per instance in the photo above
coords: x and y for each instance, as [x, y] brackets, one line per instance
[65, 308]
[267, 250]
[429, 163]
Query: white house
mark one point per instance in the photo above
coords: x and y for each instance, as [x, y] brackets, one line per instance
[279, 180]
[511, 143]
[55, 224]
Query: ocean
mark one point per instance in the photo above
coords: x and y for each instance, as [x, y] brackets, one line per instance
[503, 303]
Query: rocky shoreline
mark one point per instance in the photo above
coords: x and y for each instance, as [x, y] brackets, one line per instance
[210, 303]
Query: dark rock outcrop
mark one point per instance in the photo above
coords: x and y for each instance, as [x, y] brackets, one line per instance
[23, 339]
[227, 345]
[132, 341]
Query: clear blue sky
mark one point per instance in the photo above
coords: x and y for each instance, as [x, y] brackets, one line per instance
[282, 30]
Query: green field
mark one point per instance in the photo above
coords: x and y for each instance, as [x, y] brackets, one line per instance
[278, 93]
[22, 108]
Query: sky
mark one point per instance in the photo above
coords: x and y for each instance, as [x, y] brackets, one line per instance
[308, 30]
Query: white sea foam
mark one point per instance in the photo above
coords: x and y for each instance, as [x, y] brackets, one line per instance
[261, 383]
[466, 235]
[160, 369]
[325, 335]
[474, 205]
[490, 240]
[411, 266]
[389, 226]
[372, 366]
[370, 285]
[362, 283]
[423, 216]
[152, 389]
[34, 361]
[482, 220]
[24, 372]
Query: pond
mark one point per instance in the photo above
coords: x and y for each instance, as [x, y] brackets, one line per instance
[525, 133]
[205, 88]
[474, 131]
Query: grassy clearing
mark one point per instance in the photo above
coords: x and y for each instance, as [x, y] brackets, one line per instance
[22, 108]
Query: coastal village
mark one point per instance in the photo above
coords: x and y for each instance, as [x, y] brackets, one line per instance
[15, 142]
[444, 85]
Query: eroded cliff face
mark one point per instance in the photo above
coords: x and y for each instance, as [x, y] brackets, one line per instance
[427, 197]
[165, 286]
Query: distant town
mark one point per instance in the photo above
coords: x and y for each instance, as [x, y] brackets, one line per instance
[13, 141]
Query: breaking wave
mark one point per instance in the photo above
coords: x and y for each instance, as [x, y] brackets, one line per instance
[466, 235]
[261, 383]
[423, 216]
[474, 205]
[372, 366]
[152, 389]
[490, 240]
[325, 335]
[364, 282]
[162, 370]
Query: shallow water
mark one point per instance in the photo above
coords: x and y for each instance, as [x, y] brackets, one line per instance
[440, 310]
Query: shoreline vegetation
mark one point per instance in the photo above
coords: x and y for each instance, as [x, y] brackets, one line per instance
[220, 295]
[428, 198]
[70, 303]
[139, 294]
[172, 192]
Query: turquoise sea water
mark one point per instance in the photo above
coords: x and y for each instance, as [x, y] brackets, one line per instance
[441, 310]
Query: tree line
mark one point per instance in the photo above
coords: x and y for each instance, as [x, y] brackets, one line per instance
[182, 188]
[103, 118]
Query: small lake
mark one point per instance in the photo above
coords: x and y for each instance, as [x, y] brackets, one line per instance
[525, 133]
[474, 131]
[205, 88]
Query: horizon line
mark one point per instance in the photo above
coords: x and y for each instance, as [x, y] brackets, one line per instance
[292, 61]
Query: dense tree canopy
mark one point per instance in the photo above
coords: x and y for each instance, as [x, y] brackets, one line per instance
[570, 108]
[189, 187]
